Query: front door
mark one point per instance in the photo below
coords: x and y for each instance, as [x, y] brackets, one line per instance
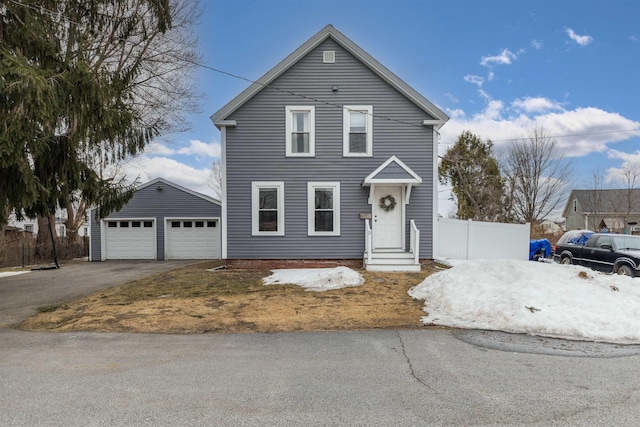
[387, 223]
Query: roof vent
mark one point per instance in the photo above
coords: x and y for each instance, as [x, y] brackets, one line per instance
[329, 56]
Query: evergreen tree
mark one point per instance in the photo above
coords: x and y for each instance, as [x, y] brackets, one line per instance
[76, 80]
[474, 174]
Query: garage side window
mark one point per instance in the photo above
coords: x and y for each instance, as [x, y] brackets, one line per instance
[267, 208]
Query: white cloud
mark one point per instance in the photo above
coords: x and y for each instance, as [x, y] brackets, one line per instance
[457, 113]
[504, 58]
[452, 98]
[147, 168]
[534, 105]
[579, 132]
[537, 44]
[476, 80]
[155, 148]
[195, 148]
[630, 163]
[200, 148]
[581, 40]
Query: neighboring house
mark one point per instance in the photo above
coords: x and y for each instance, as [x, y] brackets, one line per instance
[616, 210]
[31, 225]
[161, 221]
[330, 155]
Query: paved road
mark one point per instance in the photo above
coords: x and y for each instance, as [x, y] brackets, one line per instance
[417, 377]
[399, 378]
[21, 295]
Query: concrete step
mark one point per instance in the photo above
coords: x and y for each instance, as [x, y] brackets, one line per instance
[392, 261]
[408, 268]
[391, 255]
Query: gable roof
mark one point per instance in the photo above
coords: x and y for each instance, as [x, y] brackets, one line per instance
[393, 170]
[329, 31]
[178, 187]
[605, 201]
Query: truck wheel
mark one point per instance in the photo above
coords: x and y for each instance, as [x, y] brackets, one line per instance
[625, 270]
[565, 260]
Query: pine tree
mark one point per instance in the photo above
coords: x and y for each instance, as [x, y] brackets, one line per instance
[474, 174]
[72, 98]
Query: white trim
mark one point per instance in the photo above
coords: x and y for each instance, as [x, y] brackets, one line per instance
[437, 124]
[255, 203]
[371, 178]
[223, 190]
[434, 196]
[368, 111]
[223, 123]
[289, 109]
[311, 187]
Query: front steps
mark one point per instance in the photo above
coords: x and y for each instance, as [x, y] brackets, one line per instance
[392, 261]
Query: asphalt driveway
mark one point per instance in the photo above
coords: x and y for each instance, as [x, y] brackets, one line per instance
[21, 295]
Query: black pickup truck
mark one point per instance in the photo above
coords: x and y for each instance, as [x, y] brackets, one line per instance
[610, 253]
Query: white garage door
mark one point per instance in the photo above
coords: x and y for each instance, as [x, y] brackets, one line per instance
[193, 239]
[130, 239]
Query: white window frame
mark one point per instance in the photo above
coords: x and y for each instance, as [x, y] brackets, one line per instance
[255, 204]
[368, 110]
[311, 209]
[289, 110]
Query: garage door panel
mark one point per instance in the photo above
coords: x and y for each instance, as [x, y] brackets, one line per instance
[193, 239]
[130, 240]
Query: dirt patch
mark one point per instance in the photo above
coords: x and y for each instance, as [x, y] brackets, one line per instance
[193, 300]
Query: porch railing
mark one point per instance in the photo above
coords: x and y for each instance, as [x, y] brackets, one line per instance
[368, 241]
[415, 242]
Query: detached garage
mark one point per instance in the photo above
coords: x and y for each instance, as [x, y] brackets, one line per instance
[161, 221]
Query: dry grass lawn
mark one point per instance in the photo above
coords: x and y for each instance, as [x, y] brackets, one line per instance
[193, 300]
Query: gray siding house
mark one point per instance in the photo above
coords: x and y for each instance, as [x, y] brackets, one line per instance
[611, 210]
[161, 221]
[329, 155]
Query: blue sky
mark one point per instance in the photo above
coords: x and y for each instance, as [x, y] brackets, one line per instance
[498, 68]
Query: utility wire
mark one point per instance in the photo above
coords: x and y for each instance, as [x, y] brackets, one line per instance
[58, 15]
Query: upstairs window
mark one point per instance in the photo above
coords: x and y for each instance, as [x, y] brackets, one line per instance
[323, 200]
[300, 128]
[267, 208]
[358, 131]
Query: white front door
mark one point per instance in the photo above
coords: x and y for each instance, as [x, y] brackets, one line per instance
[387, 224]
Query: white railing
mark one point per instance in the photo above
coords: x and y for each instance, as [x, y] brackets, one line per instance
[368, 240]
[415, 242]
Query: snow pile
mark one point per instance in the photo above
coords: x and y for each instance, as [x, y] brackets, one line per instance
[316, 279]
[11, 273]
[535, 298]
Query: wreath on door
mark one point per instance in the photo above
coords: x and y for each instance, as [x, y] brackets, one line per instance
[387, 202]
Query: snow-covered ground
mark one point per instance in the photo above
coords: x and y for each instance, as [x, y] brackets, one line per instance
[316, 279]
[535, 298]
[11, 273]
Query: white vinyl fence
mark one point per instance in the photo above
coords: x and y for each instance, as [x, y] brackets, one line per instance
[467, 239]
